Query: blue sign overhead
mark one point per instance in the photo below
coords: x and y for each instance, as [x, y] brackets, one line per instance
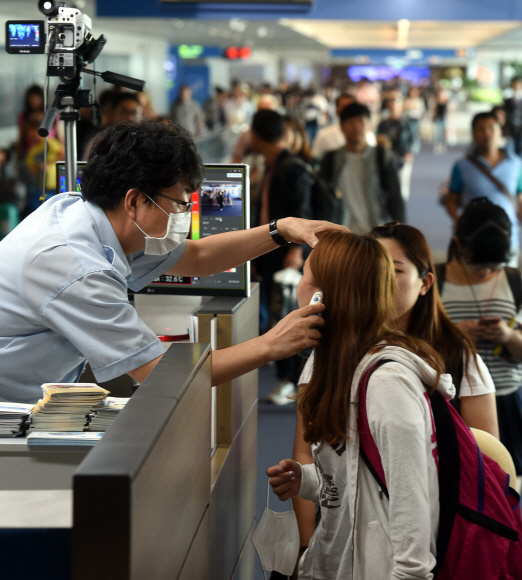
[400, 57]
[322, 9]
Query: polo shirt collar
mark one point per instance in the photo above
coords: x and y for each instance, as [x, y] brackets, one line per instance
[109, 239]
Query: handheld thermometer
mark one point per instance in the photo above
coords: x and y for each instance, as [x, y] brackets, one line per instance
[317, 298]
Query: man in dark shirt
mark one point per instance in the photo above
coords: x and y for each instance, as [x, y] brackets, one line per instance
[513, 107]
[285, 191]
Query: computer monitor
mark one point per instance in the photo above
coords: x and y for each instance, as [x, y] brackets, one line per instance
[222, 204]
[61, 186]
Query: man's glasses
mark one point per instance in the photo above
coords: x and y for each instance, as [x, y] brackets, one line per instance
[186, 206]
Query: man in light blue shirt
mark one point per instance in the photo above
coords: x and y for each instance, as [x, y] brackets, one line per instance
[469, 181]
[65, 270]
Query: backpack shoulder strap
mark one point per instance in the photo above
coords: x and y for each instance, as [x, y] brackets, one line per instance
[449, 472]
[496, 182]
[381, 156]
[440, 270]
[515, 283]
[368, 448]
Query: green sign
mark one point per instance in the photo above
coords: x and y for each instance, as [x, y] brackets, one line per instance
[190, 50]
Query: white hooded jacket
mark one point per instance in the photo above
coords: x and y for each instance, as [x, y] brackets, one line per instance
[362, 535]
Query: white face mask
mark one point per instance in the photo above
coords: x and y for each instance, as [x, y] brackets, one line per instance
[276, 540]
[178, 228]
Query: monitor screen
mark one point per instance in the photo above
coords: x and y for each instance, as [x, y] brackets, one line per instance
[60, 176]
[25, 37]
[222, 204]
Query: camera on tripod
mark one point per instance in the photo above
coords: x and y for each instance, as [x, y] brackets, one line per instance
[66, 36]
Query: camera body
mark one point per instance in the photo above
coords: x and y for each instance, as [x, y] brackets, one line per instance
[65, 36]
[66, 33]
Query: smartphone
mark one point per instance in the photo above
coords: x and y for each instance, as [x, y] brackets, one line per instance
[317, 298]
[489, 321]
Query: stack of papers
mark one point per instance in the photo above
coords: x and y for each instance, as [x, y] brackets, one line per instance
[12, 415]
[106, 412]
[67, 438]
[65, 406]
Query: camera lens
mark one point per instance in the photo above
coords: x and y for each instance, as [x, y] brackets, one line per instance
[48, 7]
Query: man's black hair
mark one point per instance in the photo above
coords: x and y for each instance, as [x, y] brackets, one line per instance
[145, 155]
[481, 117]
[484, 232]
[119, 98]
[354, 110]
[268, 125]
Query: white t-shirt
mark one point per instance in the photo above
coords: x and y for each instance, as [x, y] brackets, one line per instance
[491, 299]
[479, 382]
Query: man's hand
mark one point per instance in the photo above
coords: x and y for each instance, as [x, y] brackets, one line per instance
[472, 328]
[302, 231]
[497, 333]
[294, 333]
[285, 479]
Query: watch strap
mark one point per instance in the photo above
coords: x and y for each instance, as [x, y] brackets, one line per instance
[275, 235]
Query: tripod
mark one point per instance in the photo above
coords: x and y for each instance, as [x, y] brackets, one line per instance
[68, 100]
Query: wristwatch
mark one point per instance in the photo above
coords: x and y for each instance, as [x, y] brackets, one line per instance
[275, 235]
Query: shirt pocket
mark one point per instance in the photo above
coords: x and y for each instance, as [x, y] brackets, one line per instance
[373, 553]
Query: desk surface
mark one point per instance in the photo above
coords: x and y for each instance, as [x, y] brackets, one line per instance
[36, 508]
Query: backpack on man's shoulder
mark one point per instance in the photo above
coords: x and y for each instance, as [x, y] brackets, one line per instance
[327, 202]
[480, 525]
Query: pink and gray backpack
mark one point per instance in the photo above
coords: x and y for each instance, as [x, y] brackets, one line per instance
[480, 526]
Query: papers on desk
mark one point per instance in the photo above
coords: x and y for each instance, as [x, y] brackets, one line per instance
[67, 438]
[65, 406]
[105, 413]
[12, 415]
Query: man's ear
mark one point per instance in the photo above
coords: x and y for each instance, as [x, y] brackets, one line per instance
[131, 201]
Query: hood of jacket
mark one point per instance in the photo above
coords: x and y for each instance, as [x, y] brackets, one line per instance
[413, 362]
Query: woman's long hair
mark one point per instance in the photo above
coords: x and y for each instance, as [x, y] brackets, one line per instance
[428, 319]
[357, 277]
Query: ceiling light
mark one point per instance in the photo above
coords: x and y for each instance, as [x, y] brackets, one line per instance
[237, 25]
[403, 31]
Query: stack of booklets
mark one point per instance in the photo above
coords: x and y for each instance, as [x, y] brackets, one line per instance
[12, 417]
[105, 413]
[67, 438]
[65, 406]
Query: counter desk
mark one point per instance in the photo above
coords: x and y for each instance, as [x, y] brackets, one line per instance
[150, 499]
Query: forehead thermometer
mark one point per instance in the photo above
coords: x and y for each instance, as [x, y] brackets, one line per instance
[317, 298]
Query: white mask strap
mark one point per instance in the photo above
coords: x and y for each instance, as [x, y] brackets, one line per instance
[268, 496]
[156, 205]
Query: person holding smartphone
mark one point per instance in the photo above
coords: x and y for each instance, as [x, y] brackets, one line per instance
[482, 297]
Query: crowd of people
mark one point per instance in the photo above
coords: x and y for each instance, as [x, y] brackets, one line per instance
[392, 317]
[467, 310]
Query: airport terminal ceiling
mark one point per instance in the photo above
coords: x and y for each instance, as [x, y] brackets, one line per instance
[313, 29]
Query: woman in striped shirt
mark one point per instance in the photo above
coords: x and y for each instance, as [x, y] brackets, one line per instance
[482, 297]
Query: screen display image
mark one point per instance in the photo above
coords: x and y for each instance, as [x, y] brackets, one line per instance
[222, 204]
[25, 36]
[60, 176]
